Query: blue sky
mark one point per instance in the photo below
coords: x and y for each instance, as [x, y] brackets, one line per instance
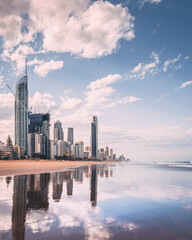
[129, 62]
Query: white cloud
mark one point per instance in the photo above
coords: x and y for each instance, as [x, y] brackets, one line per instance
[103, 82]
[185, 84]
[142, 69]
[188, 119]
[150, 1]
[85, 29]
[162, 97]
[45, 67]
[170, 63]
[35, 61]
[187, 58]
[70, 103]
[1, 81]
[17, 57]
[44, 101]
[128, 99]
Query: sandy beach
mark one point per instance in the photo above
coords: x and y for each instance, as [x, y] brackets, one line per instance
[19, 167]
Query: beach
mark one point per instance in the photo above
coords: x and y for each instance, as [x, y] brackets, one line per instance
[20, 167]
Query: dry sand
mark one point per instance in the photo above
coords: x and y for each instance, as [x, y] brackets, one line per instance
[20, 167]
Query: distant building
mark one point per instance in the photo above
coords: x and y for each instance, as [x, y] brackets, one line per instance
[3, 150]
[9, 148]
[94, 137]
[18, 151]
[78, 150]
[39, 123]
[31, 144]
[37, 145]
[107, 152]
[70, 138]
[21, 113]
[52, 149]
[40, 144]
[111, 153]
[58, 131]
[101, 154]
[61, 148]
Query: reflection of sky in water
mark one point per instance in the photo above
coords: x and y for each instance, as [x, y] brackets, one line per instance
[99, 202]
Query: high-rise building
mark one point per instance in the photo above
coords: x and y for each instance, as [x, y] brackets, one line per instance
[21, 112]
[3, 150]
[70, 136]
[78, 150]
[106, 152]
[101, 154]
[31, 144]
[9, 146]
[39, 124]
[58, 131]
[94, 137]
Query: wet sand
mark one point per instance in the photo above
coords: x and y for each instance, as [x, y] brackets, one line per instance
[20, 167]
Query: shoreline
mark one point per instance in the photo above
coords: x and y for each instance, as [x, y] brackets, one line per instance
[22, 167]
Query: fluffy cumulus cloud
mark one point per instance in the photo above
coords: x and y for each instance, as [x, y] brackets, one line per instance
[42, 101]
[44, 68]
[84, 28]
[185, 84]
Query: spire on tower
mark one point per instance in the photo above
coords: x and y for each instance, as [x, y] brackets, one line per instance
[26, 66]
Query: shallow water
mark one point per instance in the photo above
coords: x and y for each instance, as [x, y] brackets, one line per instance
[122, 201]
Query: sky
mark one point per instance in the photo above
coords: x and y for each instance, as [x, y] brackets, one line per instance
[128, 62]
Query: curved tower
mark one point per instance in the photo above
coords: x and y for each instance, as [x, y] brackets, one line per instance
[21, 112]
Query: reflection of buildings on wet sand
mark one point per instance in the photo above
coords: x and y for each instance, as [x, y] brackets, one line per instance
[19, 207]
[69, 183]
[57, 185]
[37, 191]
[30, 192]
[93, 186]
[79, 174]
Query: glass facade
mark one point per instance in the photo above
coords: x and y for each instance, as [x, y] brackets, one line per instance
[70, 136]
[94, 137]
[21, 113]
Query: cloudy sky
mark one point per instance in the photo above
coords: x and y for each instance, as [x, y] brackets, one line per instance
[128, 62]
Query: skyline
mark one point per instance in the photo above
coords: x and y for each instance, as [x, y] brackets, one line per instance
[126, 62]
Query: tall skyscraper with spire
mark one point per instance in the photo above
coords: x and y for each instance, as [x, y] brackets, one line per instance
[21, 111]
[94, 137]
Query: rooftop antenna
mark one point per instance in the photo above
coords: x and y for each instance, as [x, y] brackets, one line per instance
[26, 66]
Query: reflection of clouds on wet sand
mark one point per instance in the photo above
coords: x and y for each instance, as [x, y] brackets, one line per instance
[71, 214]
[39, 221]
[131, 187]
[5, 204]
[147, 184]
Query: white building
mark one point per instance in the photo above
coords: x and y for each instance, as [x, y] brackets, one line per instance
[3, 150]
[78, 150]
[101, 154]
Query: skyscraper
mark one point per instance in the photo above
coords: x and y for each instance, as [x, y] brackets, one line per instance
[58, 131]
[94, 137]
[39, 127]
[21, 112]
[70, 136]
